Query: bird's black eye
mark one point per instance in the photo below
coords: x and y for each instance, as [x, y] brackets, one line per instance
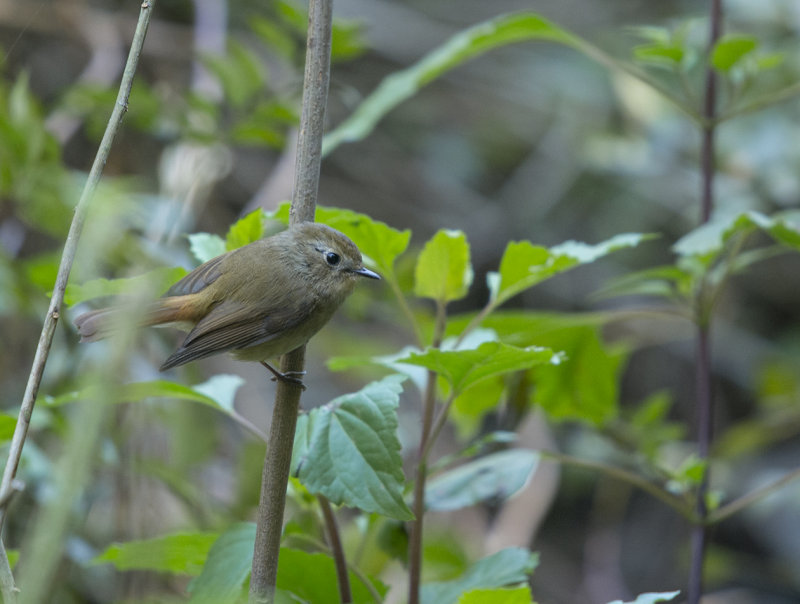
[332, 259]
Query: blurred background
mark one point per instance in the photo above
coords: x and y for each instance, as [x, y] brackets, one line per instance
[530, 141]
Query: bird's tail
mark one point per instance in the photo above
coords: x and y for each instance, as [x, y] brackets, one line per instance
[103, 322]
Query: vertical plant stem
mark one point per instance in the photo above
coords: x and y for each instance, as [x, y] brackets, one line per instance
[275, 475]
[7, 588]
[428, 409]
[704, 395]
[337, 551]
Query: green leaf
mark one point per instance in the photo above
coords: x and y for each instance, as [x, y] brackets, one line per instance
[379, 243]
[312, 578]
[156, 281]
[518, 595]
[730, 49]
[506, 567]
[217, 392]
[463, 368]
[8, 423]
[474, 403]
[227, 566]
[205, 246]
[494, 477]
[245, 230]
[398, 87]
[179, 553]
[651, 598]
[443, 270]
[348, 450]
[584, 388]
[660, 54]
[707, 241]
[668, 281]
[524, 265]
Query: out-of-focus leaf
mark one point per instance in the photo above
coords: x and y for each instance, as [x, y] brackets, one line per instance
[470, 406]
[494, 477]
[227, 566]
[463, 368]
[240, 73]
[245, 230]
[506, 567]
[730, 49]
[671, 282]
[205, 246]
[707, 241]
[443, 271]
[156, 281]
[396, 88]
[518, 595]
[524, 264]
[312, 578]
[659, 54]
[217, 392]
[584, 388]
[180, 553]
[348, 450]
[8, 424]
[651, 598]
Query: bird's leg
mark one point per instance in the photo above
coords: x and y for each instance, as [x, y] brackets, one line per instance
[291, 377]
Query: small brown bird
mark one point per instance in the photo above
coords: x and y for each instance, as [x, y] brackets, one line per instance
[257, 302]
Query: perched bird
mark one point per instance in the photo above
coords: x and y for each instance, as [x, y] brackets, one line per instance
[257, 302]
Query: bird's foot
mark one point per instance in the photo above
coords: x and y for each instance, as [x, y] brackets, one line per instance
[290, 377]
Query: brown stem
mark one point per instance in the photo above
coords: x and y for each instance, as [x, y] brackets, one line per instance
[275, 475]
[337, 551]
[428, 409]
[704, 394]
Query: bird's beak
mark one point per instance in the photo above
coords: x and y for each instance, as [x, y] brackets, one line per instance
[365, 272]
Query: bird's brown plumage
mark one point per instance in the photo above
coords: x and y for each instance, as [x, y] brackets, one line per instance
[262, 300]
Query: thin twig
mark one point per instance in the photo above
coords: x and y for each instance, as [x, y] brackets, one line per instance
[337, 551]
[705, 400]
[7, 587]
[275, 475]
[428, 409]
[625, 476]
[728, 510]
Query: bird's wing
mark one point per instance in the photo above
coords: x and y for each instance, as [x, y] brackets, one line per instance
[232, 325]
[200, 278]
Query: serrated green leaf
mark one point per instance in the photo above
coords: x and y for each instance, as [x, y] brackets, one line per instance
[227, 566]
[494, 477]
[651, 598]
[348, 450]
[730, 49]
[443, 271]
[245, 230]
[463, 368]
[156, 281]
[205, 246]
[524, 264]
[506, 567]
[179, 553]
[519, 595]
[396, 88]
[379, 243]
